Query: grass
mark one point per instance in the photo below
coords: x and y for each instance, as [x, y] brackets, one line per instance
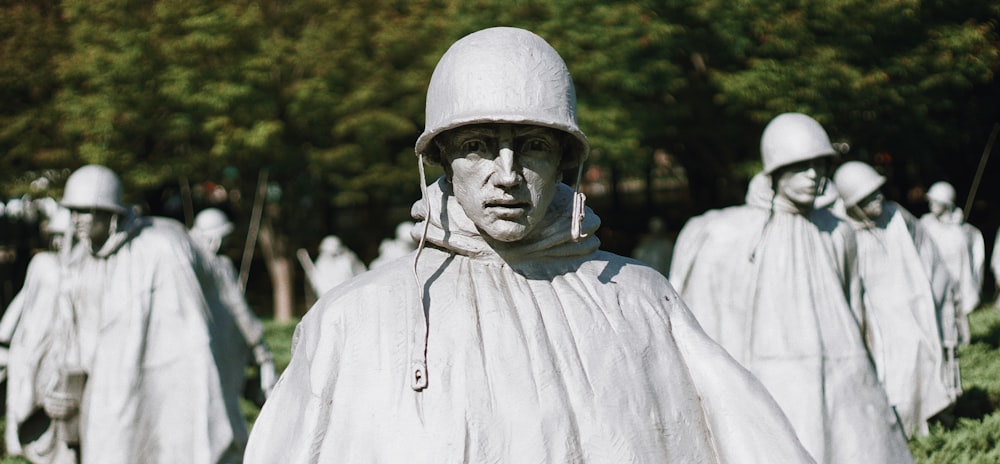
[970, 435]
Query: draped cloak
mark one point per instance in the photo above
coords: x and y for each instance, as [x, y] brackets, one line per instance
[333, 268]
[995, 262]
[895, 262]
[239, 331]
[142, 318]
[779, 290]
[543, 350]
[26, 326]
[963, 250]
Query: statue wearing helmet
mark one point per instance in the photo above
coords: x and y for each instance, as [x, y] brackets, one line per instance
[775, 282]
[141, 335]
[397, 246]
[93, 196]
[211, 227]
[962, 248]
[909, 297]
[335, 265]
[500, 298]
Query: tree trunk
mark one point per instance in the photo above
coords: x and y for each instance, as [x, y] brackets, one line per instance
[277, 257]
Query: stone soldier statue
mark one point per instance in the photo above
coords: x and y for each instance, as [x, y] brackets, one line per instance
[211, 227]
[335, 265]
[962, 247]
[26, 328]
[775, 282]
[139, 363]
[397, 246]
[907, 295]
[510, 337]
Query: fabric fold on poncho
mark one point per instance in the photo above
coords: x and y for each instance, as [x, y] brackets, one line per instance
[543, 351]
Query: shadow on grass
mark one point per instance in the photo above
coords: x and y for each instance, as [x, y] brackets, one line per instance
[973, 404]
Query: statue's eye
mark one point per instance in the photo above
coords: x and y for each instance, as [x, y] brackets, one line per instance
[536, 145]
[473, 146]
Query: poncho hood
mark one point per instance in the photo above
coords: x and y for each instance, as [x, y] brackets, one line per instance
[451, 229]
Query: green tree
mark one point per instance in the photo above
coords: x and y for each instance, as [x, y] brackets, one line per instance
[31, 34]
[894, 76]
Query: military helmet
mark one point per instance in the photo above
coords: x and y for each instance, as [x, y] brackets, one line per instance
[856, 180]
[501, 75]
[942, 192]
[212, 222]
[93, 187]
[790, 138]
[330, 244]
[59, 222]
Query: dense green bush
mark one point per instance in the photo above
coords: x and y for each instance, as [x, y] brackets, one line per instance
[972, 433]
[968, 434]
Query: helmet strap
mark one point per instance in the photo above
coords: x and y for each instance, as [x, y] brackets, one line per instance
[579, 208]
[418, 321]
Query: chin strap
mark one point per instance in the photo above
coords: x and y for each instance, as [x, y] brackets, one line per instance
[579, 211]
[418, 330]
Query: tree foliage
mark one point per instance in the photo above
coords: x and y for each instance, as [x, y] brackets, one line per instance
[327, 96]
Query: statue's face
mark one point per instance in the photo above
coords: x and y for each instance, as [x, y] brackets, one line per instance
[799, 182]
[92, 225]
[872, 205]
[504, 175]
[938, 208]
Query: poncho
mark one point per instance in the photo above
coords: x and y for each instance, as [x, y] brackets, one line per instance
[27, 327]
[141, 318]
[896, 262]
[995, 260]
[779, 290]
[543, 350]
[333, 269]
[964, 253]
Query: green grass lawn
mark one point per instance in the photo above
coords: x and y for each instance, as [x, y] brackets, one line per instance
[970, 436]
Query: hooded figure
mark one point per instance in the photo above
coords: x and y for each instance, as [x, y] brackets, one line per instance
[395, 247]
[775, 282]
[995, 262]
[962, 248]
[143, 368]
[899, 266]
[508, 336]
[26, 328]
[335, 265]
[211, 227]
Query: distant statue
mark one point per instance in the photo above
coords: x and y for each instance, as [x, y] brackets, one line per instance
[335, 265]
[211, 227]
[510, 337]
[656, 247]
[995, 264]
[962, 247]
[906, 297]
[26, 328]
[143, 367]
[397, 246]
[776, 282]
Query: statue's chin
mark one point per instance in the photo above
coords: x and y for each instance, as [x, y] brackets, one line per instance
[505, 231]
